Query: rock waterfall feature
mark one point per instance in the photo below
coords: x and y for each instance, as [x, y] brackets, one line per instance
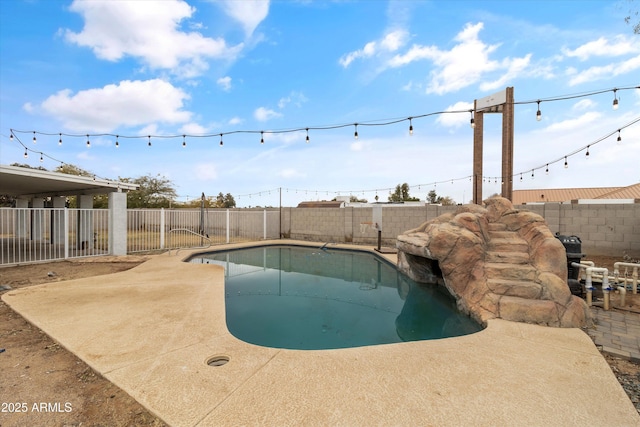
[498, 262]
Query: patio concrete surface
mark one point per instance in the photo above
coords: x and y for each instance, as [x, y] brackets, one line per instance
[151, 330]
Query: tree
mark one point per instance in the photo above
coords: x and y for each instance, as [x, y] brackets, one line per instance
[401, 194]
[225, 201]
[72, 170]
[633, 16]
[433, 198]
[153, 192]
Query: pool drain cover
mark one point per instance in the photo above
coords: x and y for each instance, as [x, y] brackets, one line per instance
[217, 361]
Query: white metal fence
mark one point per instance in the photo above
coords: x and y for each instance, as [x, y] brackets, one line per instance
[157, 229]
[43, 234]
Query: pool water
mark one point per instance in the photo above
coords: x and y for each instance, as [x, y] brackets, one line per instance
[305, 298]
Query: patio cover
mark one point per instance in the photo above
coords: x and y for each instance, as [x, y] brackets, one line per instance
[23, 182]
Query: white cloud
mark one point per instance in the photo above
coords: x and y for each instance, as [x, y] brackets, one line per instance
[290, 173]
[391, 42]
[464, 64]
[206, 171]
[235, 121]
[193, 129]
[129, 103]
[602, 47]
[573, 124]
[456, 120]
[250, 13]
[224, 83]
[263, 114]
[149, 31]
[606, 71]
[356, 146]
[295, 98]
[584, 104]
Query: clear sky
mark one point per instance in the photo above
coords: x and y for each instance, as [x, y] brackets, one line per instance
[253, 70]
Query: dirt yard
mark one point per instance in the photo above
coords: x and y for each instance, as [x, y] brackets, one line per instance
[43, 384]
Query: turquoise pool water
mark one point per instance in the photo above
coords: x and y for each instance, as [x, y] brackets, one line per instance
[307, 298]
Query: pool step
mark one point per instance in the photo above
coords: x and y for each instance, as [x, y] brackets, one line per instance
[507, 271]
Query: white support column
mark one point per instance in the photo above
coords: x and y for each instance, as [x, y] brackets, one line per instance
[37, 219]
[58, 234]
[84, 237]
[22, 219]
[117, 223]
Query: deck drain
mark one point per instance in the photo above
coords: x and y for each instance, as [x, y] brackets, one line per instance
[217, 361]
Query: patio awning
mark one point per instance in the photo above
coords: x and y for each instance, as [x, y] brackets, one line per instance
[23, 182]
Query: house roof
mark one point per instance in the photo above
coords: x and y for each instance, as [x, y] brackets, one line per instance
[567, 194]
[17, 181]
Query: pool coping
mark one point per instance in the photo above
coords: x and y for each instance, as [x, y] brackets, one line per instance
[150, 330]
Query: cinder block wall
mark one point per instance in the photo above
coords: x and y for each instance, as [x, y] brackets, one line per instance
[611, 229]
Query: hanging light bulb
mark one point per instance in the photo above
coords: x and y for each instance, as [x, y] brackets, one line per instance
[88, 142]
[566, 164]
[587, 155]
[619, 137]
[532, 175]
[34, 137]
[307, 135]
[472, 122]
[149, 143]
[60, 140]
[615, 99]
[521, 177]
[25, 153]
[261, 137]
[221, 143]
[355, 134]
[410, 126]
[184, 142]
[539, 114]
[117, 143]
[11, 136]
[547, 171]
[41, 159]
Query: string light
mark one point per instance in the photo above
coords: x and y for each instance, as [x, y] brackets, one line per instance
[184, 142]
[60, 140]
[11, 136]
[88, 142]
[34, 137]
[221, 143]
[117, 143]
[520, 177]
[149, 143]
[615, 99]
[539, 113]
[355, 134]
[472, 122]
[619, 137]
[261, 137]
[566, 164]
[25, 153]
[41, 159]
[587, 155]
[547, 170]
[532, 175]
[410, 126]
[307, 135]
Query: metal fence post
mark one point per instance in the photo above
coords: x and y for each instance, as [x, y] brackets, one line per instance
[227, 225]
[264, 226]
[66, 233]
[161, 228]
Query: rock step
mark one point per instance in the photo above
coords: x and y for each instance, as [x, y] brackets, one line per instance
[503, 235]
[511, 244]
[506, 271]
[508, 257]
[497, 226]
[515, 288]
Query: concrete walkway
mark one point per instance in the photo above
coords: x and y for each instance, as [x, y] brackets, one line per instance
[151, 330]
[617, 332]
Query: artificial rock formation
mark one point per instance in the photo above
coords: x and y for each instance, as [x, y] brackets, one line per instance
[498, 262]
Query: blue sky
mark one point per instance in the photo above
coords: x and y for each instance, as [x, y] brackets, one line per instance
[239, 68]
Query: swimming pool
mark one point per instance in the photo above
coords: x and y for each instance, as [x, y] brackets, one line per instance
[306, 298]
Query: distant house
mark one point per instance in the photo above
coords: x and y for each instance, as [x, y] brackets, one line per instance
[321, 204]
[630, 194]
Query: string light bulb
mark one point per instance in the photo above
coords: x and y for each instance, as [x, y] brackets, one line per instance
[547, 170]
[521, 177]
[60, 140]
[25, 153]
[11, 136]
[566, 164]
[88, 142]
[587, 154]
[149, 143]
[117, 143]
[34, 137]
[41, 159]
[619, 137]
[261, 137]
[532, 175]
[355, 134]
[307, 135]
[221, 143]
[472, 122]
[184, 142]
[539, 113]
[410, 126]
[615, 99]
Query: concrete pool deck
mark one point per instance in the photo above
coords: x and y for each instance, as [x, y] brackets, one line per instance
[150, 330]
